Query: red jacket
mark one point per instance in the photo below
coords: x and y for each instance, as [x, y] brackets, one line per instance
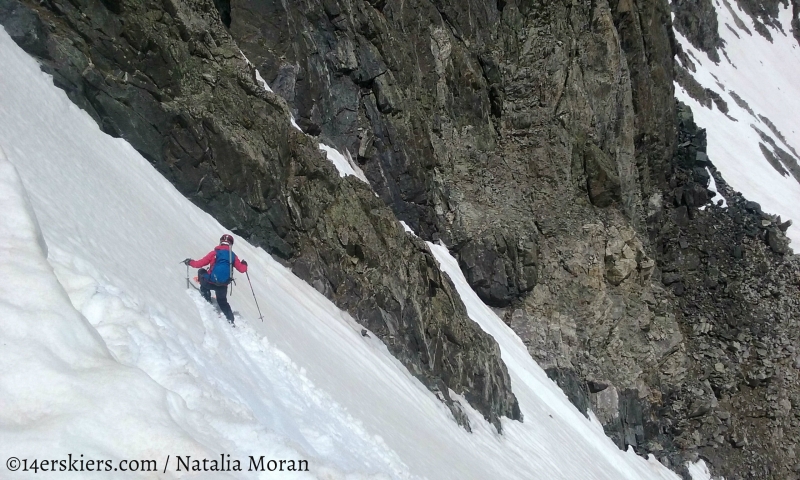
[212, 255]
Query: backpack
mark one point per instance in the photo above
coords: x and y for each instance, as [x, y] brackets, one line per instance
[222, 273]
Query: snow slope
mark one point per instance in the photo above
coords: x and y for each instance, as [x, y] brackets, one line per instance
[344, 165]
[765, 76]
[107, 353]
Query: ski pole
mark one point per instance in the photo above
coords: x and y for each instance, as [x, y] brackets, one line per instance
[254, 296]
[187, 276]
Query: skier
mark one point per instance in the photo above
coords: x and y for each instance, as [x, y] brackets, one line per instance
[221, 261]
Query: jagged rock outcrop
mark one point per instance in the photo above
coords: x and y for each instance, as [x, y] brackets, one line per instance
[697, 21]
[736, 285]
[452, 154]
[724, 385]
[167, 77]
[764, 13]
[521, 136]
[536, 141]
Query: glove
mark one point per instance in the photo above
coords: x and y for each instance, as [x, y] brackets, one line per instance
[244, 262]
[187, 261]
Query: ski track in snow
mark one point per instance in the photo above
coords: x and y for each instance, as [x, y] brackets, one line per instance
[59, 385]
[228, 383]
[764, 75]
[107, 353]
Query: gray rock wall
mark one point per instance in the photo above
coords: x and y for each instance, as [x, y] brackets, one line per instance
[169, 78]
[451, 109]
[539, 140]
[735, 283]
[519, 135]
[697, 21]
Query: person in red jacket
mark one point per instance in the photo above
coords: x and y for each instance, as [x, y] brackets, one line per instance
[221, 261]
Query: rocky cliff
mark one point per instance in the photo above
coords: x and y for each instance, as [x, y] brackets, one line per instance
[169, 78]
[697, 20]
[539, 140]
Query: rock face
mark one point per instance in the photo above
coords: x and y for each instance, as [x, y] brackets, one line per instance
[539, 140]
[697, 21]
[169, 78]
[452, 107]
[736, 283]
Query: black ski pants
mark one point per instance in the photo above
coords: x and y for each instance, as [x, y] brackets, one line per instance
[221, 292]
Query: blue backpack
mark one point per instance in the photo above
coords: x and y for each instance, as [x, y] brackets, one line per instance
[222, 273]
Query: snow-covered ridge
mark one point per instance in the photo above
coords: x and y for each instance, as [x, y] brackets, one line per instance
[106, 353]
[755, 144]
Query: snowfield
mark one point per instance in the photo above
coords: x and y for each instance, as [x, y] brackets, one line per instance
[759, 82]
[107, 354]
